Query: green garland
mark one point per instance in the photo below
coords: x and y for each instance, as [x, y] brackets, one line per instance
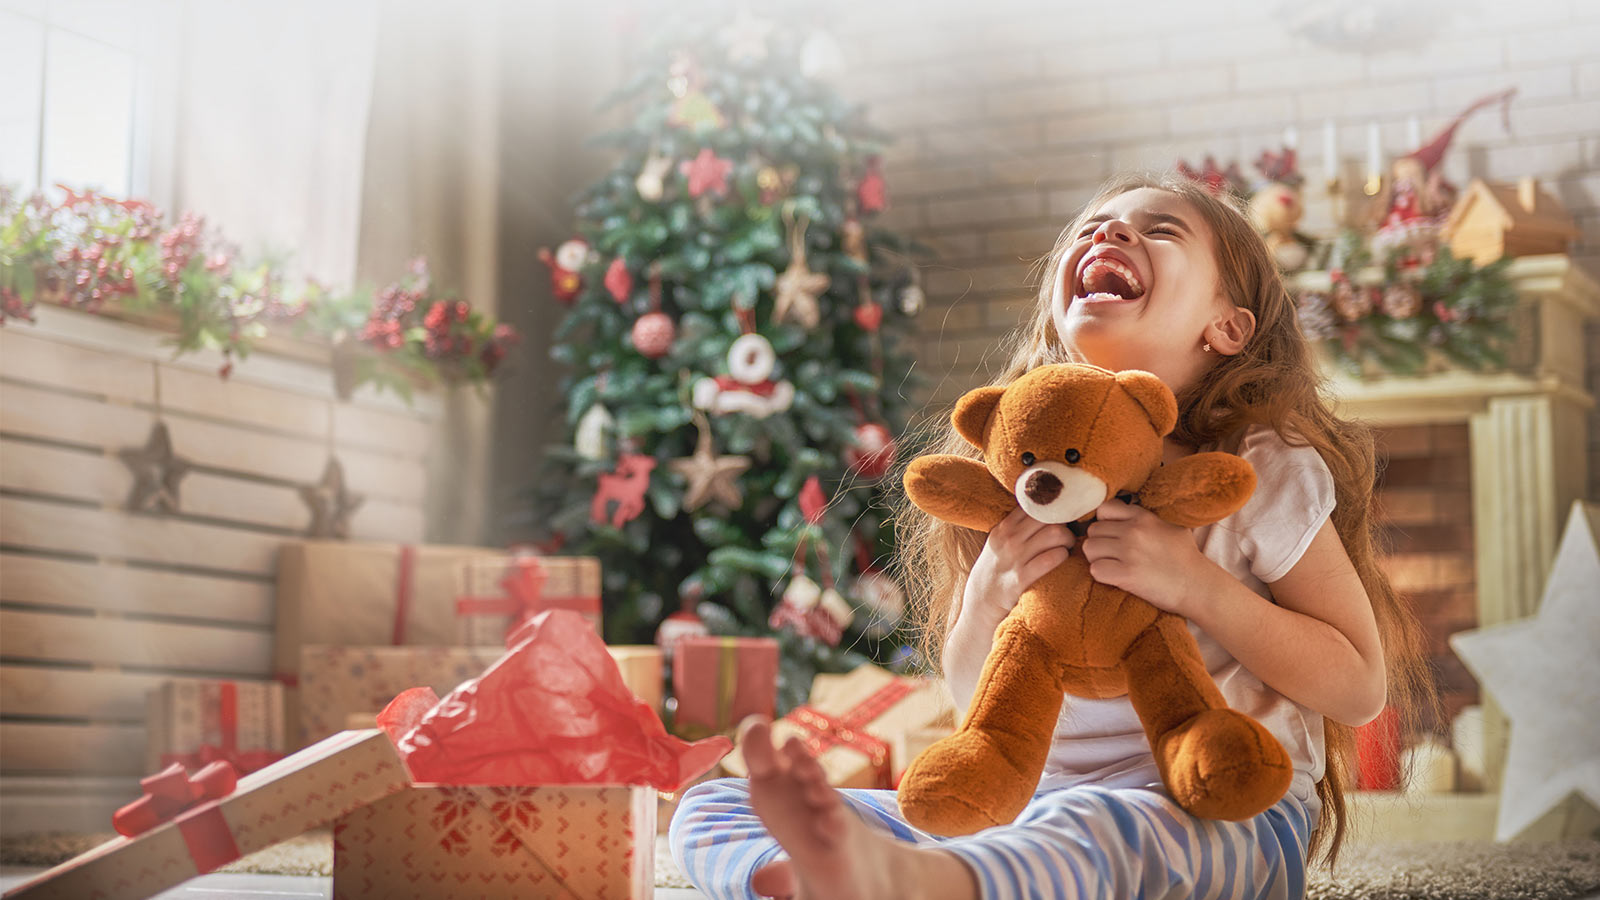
[1422, 310]
[103, 255]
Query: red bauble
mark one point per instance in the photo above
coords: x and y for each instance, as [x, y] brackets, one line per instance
[869, 316]
[619, 281]
[653, 334]
[873, 451]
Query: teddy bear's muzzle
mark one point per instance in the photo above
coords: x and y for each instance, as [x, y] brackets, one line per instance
[1056, 493]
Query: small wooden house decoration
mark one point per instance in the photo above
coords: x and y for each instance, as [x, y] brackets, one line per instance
[1494, 220]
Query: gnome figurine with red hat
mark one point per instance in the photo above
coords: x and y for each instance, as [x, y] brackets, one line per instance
[1417, 198]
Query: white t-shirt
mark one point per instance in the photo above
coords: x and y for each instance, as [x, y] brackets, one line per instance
[1102, 742]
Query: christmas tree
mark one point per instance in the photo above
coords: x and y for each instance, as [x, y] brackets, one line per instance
[737, 364]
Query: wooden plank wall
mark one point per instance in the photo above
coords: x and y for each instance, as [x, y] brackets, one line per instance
[98, 604]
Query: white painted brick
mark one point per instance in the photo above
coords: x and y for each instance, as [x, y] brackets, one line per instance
[944, 108]
[1102, 127]
[954, 245]
[1168, 85]
[1243, 41]
[1007, 66]
[1026, 242]
[1439, 56]
[987, 279]
[1502, 16]
[1080, 58]
[966, 314]
[1225, 116]
[1542, 159]
[1545, 120]
[1363, 103]
[1160, 156]
[1050, 168]
[994, 206]
[1068, 202]
[1580, 194]
[1453, 93]
[1572, 40]
[918, 180]
[1311, 69]
[1046, 99]
[1589, 78]
[983, 141]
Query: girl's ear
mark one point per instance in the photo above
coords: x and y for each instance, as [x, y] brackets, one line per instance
[1229, 334]
[1153, 394]
[972, 413]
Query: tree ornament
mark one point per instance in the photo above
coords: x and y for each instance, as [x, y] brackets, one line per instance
[330, 503]
[872, 192]
[853, 238]
[1276, 210]
[566, 266]
[710, 477]
[771, 184]
[1349, 301]
[654, 332]
[156, 472]
[912, 298]
[626, 485]
[821, 57]
[685, 623]
[746, 38]
[883, 600]
[869, 316]
[1400, 301]
[873, 452]
[748, 387]
[707, 172]
[817, 612]
[593, 427]
[619, 281]
[651, 183]
[1317, 319]
[798, 287]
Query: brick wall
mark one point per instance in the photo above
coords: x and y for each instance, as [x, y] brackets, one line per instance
[1009, 113]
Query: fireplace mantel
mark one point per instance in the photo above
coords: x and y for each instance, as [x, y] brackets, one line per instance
[1528, 432]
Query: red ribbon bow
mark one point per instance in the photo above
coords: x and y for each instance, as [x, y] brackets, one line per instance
[524, 597]
[171, 791]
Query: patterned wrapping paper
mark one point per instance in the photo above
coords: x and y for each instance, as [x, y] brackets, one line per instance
[718, 681]
[193, 721]
[337, 681]
[494, 596]
[435, 842]
[852, 719]
[304, 791]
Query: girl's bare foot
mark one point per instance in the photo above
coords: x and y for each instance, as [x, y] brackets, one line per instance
[833, 855]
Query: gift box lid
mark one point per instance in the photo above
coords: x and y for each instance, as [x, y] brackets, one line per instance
[300, 792]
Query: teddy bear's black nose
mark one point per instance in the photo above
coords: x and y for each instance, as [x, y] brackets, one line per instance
[1042, 488]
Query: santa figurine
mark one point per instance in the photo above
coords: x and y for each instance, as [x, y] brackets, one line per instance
[748, 387]
[566, 266]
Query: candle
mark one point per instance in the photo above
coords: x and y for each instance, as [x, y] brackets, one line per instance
[1413, 132]
[1374, 153]
[1330, 153]
[1291, 138]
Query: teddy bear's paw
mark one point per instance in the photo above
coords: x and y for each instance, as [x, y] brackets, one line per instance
[1222, 764]
[964, 784]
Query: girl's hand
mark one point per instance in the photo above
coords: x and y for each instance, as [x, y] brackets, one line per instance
[1129, 547]
[1019, 551]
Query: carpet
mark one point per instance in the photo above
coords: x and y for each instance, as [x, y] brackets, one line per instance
[1465, 870]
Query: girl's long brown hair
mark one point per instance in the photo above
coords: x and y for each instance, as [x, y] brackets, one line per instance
[1274, 381]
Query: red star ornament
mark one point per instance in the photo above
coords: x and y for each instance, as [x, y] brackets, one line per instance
[707, 172]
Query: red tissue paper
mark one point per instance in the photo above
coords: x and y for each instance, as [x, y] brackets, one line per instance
[552, 710]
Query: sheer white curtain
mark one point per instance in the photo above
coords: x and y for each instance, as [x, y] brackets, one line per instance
[269, 132]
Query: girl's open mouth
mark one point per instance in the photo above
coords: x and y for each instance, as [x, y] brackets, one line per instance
[1107, 279]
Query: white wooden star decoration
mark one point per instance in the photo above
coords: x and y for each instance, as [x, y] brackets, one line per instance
[156, 472]
[710, 477]
[1545, 672]
[330, 503]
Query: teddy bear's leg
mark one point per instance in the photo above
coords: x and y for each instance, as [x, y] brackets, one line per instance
[985, 773]
[1216, 762]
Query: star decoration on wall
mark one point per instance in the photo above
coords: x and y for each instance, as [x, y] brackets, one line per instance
[1543, 671]
[156, 472]
[331, 503]
[707, 172]
[710, 477]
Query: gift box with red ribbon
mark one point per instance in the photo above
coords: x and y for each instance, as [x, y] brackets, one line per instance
[539, 779]
[497, 596]
[337, 682]
[851, 720]
[363, 594]
[186, 825]
[717, 681]
[194, 722]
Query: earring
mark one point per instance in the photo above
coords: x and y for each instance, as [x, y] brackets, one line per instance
[1207, 348]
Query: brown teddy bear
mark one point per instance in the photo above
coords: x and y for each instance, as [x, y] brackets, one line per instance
[1059, 441]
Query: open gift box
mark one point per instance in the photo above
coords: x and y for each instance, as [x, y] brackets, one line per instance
[537, 779]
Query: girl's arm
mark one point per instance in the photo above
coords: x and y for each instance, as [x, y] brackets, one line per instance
[1317, 645]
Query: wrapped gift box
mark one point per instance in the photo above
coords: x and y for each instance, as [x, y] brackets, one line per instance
[851, 720]
[337, 682]
[717, 681]
[437, 841]
[494, 596]
[193, 722]
[908, 745]
[642, 671]
[307, 790]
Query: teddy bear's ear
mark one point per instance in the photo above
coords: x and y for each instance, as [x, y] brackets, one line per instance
[1152, 394]
[973, 411]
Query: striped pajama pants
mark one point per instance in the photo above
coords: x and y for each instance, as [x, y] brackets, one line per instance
[1080, 842]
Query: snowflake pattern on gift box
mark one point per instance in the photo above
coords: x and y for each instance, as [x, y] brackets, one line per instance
[451, 818]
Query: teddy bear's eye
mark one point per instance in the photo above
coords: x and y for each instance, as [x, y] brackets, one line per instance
[1027, 459]
[1073, 456]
